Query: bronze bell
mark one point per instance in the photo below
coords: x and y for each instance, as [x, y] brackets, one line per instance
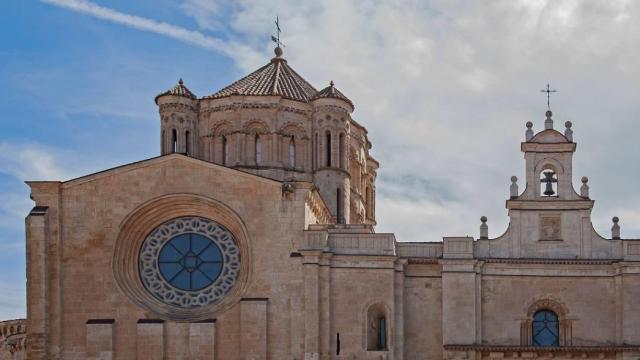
[548, 180]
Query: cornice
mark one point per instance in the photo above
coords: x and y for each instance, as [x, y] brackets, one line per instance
[545, 349]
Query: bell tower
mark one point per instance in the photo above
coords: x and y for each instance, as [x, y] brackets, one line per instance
[549, 218]
[548, 156]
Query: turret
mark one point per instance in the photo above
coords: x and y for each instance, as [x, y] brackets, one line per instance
[178, 120]
[332, 122]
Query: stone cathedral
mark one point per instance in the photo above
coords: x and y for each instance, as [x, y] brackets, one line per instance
[252, 236]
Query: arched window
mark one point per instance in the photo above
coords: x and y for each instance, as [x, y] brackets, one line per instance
[258, 150]
[225, 150]
[163, 142]
[377, 328]
[187, 145]
[545, 329]
[316, 160]
[341, 151]
[327, 145]
[339, 211]
[174, 140]
[548, 183]
[367, 199]
[292, 153]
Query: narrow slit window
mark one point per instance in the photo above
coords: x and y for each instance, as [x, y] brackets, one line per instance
[292, 153]
[225, 150]
[258, 150]
[328, 149]
[382, 334]
[341, 151]
[174, 140]
[187, 144]
[339, 213]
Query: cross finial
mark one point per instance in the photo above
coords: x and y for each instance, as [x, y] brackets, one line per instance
[276, 38]
[548, 90]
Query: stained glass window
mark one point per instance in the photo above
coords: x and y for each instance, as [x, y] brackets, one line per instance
[545, 329]
[189, 262]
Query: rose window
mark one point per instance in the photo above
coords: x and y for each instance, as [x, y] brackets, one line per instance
[189, 262]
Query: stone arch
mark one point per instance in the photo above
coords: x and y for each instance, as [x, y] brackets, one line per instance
[221, 128]
[140, 222]
[256, 126]
[549, 163]
[551, 303]
[373, 312]
[293, 129]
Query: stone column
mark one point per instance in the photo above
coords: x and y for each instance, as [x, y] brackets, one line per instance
[37, 279]
[459, 290]
[253, 328]
[311, 269]
[99, 339]
[202, 340]
[325, 305]
[150, 339]
[398, 334]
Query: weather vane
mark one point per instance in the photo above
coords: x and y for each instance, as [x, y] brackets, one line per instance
[276, 39]
[548, 91]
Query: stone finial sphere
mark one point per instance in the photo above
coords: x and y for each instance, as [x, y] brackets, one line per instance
[615, 219]
[278, 51]
[514, 179]
[529, 124]
[568, 124]
[584, 179]
[483, 219]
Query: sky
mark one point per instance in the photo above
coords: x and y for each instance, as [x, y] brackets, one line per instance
[444, 87]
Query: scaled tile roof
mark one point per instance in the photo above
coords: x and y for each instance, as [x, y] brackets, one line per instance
[275, 78]
[331, 92]
[178, 90]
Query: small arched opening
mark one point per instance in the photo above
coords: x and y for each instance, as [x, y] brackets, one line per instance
[327, 145]
[292, 153]
[174, 140]
[258, 150]
[187, 142]
[545, 328]
[548, 182]
[341, 147]
[377, 328]
[225, 151]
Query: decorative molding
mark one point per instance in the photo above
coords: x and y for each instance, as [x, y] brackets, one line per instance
[177, 107]
[159, 287]
[550, 261]
[141, 222]
[543, 349]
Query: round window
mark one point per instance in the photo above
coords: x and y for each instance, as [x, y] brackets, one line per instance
[189, 262]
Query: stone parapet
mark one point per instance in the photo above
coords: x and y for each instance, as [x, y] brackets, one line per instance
[419, 250]
[348, 242]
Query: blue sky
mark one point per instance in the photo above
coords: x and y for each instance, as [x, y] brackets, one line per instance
[444, 87]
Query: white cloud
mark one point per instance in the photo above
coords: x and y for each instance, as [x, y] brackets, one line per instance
[445, 89]
[145, 24]
[30, 162]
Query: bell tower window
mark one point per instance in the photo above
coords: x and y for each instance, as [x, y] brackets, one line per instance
[328, 148]
[174, 140]
[258, 150]
[292, 153]
[549, 183]
[225, 150]
[341, 151]
[187, 144]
